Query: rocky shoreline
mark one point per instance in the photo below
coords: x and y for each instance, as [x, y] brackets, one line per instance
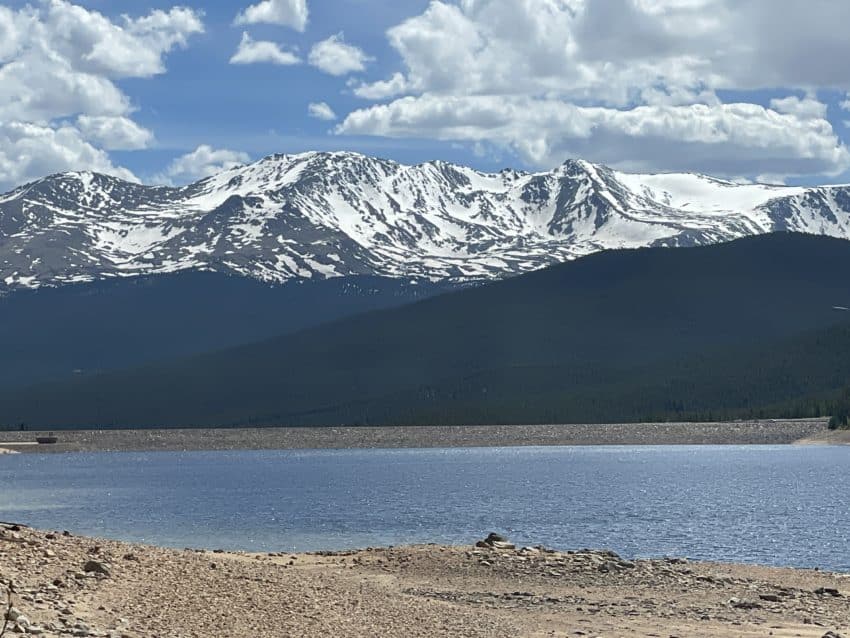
[763, 432]
[63, 585]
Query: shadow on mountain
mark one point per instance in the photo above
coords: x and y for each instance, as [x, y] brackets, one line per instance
[756, 327]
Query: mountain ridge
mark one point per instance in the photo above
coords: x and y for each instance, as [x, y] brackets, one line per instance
[321, 215]
[753, 327]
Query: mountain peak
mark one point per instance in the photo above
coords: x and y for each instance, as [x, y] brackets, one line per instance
[335, 214]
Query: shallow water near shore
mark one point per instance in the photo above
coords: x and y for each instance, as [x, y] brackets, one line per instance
[779, 505]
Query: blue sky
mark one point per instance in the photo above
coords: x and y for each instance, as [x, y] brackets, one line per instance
[263, 108]
[753, 90]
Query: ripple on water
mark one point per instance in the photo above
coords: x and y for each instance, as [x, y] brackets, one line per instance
[773, 505]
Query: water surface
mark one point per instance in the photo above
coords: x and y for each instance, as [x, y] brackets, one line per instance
[773, 505]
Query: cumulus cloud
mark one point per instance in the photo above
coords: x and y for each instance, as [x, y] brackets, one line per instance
[805, 108]
[321, 111]
[257, 51]
[626, 82]
[202, 162]
[114, 133]
[735, 139]
[336, 57]
[60, 106]
[29, 151]
[288, 13]
[382, 89]
[132, 48]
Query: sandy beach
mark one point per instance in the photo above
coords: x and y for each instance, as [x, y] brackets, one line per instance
[72, 586]
[764, 432]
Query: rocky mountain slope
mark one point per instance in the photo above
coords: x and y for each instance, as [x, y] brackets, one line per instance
[319, 215]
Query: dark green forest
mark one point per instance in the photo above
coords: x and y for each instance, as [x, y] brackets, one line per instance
[753, 328]
[53, 334]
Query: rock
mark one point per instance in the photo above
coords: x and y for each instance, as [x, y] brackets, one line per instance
[832, 634]
[96, 567]
[13, 614]
[743, 603]
[495, 541]
[828, 591]
[771, 598]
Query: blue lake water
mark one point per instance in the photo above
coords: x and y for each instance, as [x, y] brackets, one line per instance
[772, 505]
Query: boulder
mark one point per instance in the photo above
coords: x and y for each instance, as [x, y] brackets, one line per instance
[96, 567]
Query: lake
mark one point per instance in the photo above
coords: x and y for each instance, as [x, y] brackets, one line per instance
[773, 505]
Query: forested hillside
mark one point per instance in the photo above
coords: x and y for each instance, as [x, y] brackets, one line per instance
[754, 327]
[55, 334]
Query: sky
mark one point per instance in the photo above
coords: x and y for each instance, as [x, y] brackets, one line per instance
[159, 92]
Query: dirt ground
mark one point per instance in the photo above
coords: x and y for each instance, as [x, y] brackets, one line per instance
[70, 586]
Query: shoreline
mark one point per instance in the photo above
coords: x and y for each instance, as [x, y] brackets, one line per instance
[755, 432]
[67, 585]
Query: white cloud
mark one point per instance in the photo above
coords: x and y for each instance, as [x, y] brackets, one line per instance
[805, 108]
[288, 13]
[36, 87]
[728, 139]
[621, 81]
[134, 48]
[202, 162]
[321, 111]
[60, 106]
[773, 180]
[336, 57]
[382, 89]
[29, 151]
[258, 51]
[114, 133]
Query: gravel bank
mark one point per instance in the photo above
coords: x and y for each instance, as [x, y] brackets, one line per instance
[67, 586]
[733, 433]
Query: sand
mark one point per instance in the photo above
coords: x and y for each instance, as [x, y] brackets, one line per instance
[408, 592]
[830, 437]
[772, 432]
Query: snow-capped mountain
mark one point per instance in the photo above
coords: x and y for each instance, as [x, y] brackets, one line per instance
[318, 215]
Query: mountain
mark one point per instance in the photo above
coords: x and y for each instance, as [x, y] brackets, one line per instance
[735, 328]
[320, 215]
[61, 333]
